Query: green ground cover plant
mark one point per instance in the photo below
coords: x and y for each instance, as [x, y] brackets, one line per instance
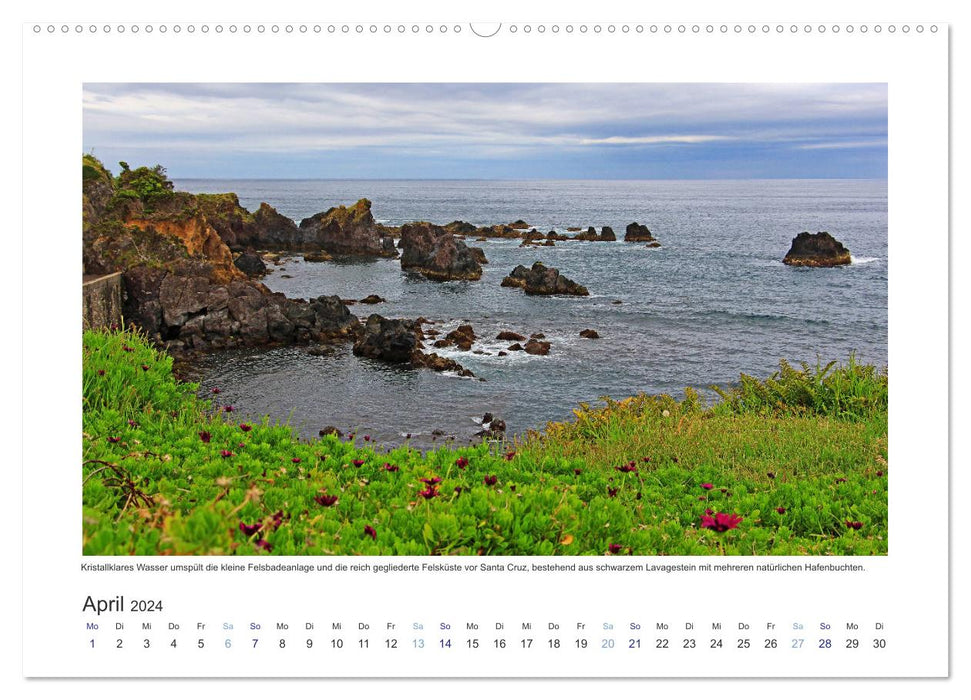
[793, 464]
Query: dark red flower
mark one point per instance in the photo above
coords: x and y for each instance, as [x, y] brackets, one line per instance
[709, 511]
[295, 460]
[707, 487]
[491, 480]
[367, 438]
[263, 544]
[278, 519]
[240, 445]
[114, 439]
[250, 530]
[358, 462]
[228, 409]
[627, 468]
[879, 473]
[611, 492]
[461, 462]
[645, 459]
[855, 524]
[215, 390]
[721, 521]
[780, 510]
[431, 481]
[245, 427]
[771, 475]
[325, 500]
[205, 436]
[133, 424]
[127, 349]
[101, 373]
[510, 455]
[841, 480]
[614, 548]
[226, 453]
[458, 490]
[371, 532]
[428, 493]
[145, 368]
[388, 467]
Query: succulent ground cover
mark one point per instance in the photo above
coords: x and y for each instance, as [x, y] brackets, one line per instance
[793, 464]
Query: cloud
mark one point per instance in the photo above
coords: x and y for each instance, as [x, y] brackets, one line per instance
[474, 120]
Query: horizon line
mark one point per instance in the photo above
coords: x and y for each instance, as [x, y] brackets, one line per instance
[514, 179]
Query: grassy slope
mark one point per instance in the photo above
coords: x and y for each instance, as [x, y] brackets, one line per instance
[817, 449]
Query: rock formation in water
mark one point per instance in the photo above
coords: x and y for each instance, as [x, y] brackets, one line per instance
[816, 250]
[638, 233]
[436, 254]
[348, 231]
[541, 280]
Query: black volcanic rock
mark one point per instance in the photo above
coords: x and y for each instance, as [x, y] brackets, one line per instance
[436, 254]
[348, 231]
[251, 264]
[638, 233]
[816, 250]
[542, 280]
[388, 339]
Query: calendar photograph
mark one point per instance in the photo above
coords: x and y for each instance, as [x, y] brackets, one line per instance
[604, 319]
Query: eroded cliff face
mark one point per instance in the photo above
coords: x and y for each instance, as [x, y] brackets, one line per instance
[181, 286]
[199, 239]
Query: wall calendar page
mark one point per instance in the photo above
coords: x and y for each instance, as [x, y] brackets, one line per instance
[459, 352]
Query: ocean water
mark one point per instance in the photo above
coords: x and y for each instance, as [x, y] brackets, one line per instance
[713, 301]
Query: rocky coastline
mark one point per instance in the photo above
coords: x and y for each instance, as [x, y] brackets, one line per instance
[191, 265]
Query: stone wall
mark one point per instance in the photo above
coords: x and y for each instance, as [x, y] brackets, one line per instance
[101, 301]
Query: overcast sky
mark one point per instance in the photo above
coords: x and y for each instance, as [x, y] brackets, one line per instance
[505, 131]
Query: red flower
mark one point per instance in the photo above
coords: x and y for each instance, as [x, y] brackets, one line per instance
[780, 510]
[431, 481]
[127, 349]
[721, 521]
[228, 409]
[250, 530]
[614, 548]
[510, 455]
[245, 427]
[145, 368]
[205, 436]
[133, 424]
[263, 544]
[325, 500]
[371, 532]
[461, 463]
[879, 473]
[390, 467]
[645, 459]
[295, 460]
[771, 475]
[101, 373]
[358, 463]
[855, 524]
[707, 487]
[841, 480]
[491, 480]
[428, 493]
[215, 390]
[458, 490]
[114, 439]
[577, 471]
[367, 438]
[611, 492]
[709, 511]
[627, 468]
[226, 453]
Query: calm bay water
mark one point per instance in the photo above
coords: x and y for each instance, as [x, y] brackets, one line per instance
[712, 302]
